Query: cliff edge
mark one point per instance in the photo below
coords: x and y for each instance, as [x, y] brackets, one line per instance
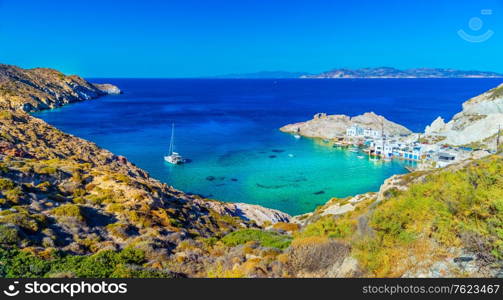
[477, 125]
[43, 88]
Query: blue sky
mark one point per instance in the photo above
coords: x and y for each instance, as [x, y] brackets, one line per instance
[193, 38]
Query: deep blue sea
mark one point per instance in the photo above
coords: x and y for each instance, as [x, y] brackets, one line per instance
[228, 128]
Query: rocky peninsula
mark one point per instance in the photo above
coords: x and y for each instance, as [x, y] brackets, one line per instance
[41, 88]
[333, 126]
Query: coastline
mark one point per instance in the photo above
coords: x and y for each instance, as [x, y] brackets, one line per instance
[66, 193]
[319, 137]
[75, 89]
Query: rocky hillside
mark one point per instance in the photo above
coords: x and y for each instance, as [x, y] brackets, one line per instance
[62, 193]
[387, 72]
[42, 88]
[332, 126]
[476, 125]
[441, 223]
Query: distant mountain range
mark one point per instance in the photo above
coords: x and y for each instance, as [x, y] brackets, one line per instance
[381, 72]
[266, 75]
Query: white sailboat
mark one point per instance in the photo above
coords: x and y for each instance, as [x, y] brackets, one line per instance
[173, 157]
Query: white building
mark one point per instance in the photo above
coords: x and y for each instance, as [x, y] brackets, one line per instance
[371, 133]
[354, 131]
[358, 131]
[382, 148]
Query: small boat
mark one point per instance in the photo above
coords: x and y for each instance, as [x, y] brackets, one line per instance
[296, 136]
[291, 155]
[173, 157]
[361, 156]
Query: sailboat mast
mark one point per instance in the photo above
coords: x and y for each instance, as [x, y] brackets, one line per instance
[172, 142]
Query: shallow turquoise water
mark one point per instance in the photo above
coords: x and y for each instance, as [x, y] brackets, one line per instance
[229, 129]
[295, 176]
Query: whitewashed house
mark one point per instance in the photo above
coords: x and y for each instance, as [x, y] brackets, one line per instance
[382, 148]
[371, 133]
[354, 131]
[358, 131]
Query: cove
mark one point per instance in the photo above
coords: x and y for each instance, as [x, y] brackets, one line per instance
[229, 131]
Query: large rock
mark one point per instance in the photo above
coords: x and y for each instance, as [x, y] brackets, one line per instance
[332, 126]
[478, 122]
[248, 212]
[437, 126]
[108, 88]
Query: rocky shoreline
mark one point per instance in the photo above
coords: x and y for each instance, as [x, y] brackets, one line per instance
[63, 194]
[26, 90]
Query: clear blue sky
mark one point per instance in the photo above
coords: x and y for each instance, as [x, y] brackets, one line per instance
[191, 38]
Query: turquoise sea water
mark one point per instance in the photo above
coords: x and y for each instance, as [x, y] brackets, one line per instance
[229, 131]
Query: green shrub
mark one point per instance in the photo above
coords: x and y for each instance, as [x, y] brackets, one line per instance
[48, 170]
[128, 271]
[122, 178]
[6, 115]
[330, 226]
[68, 210]
[126, 263]
[6, 184]
[9, 235]
[13, 195]
[20, 220]
[265, 238]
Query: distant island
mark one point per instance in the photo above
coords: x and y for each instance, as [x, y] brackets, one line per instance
[381, 72]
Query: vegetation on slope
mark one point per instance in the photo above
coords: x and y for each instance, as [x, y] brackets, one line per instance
[264, 238]
[450, 209]
[127, 263]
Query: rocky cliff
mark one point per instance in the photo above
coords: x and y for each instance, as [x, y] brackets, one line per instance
[476, 125]
[43, 88]
[332, 126]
